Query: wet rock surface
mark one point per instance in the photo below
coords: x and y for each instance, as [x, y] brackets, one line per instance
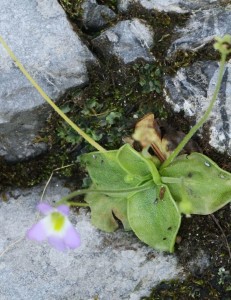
[201, 28]
[44, 41]
[178, 6]
[96, 17]
[191, 90]
[127, 40]
[107, 266]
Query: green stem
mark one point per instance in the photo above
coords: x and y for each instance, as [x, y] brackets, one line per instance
[171, 180]
[79, 204]
[52, 104]
[155, 174]
[202, 120]
[108, 192]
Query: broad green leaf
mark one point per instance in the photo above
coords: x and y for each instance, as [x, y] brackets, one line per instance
[103, 210]
[106, 172]
[65, 109]
[206, 186]
[154, 217]
[133, 163]
[112, 116]
[118, 169]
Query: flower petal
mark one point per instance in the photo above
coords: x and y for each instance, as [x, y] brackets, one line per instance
[44, 208]
[37, 232]
[57, 242]
[72, 237]
[64, 209]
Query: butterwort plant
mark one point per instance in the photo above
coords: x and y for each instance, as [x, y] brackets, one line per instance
[146, 195]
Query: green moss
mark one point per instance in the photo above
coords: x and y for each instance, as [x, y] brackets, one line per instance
[72, 8]
[108, 108]
[212, 284]
[110, 3]
[29, 173]
[205, 286]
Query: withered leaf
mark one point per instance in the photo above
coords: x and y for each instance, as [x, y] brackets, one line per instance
[161, 137]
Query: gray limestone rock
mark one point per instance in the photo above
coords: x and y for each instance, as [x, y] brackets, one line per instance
[96, 17]
[190, 91]
[127, 40]
[108, 266]
[177, 6]
[201, 28]
[42, 38]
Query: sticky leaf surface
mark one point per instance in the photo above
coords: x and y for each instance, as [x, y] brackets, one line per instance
[104, 170]
[104, 209]
[133, 163]
[117, 170]
[154, 217]
[206, 186]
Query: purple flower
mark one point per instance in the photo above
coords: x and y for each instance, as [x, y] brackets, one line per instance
[55, 227]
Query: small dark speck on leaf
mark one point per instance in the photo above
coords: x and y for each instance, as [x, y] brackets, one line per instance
[162, 192]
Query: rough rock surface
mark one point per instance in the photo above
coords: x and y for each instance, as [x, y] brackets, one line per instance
[178, 6]
[127, 40]
[44, 41]
[95, 16]
[201, 28]
[191, 89]
[110, 266]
